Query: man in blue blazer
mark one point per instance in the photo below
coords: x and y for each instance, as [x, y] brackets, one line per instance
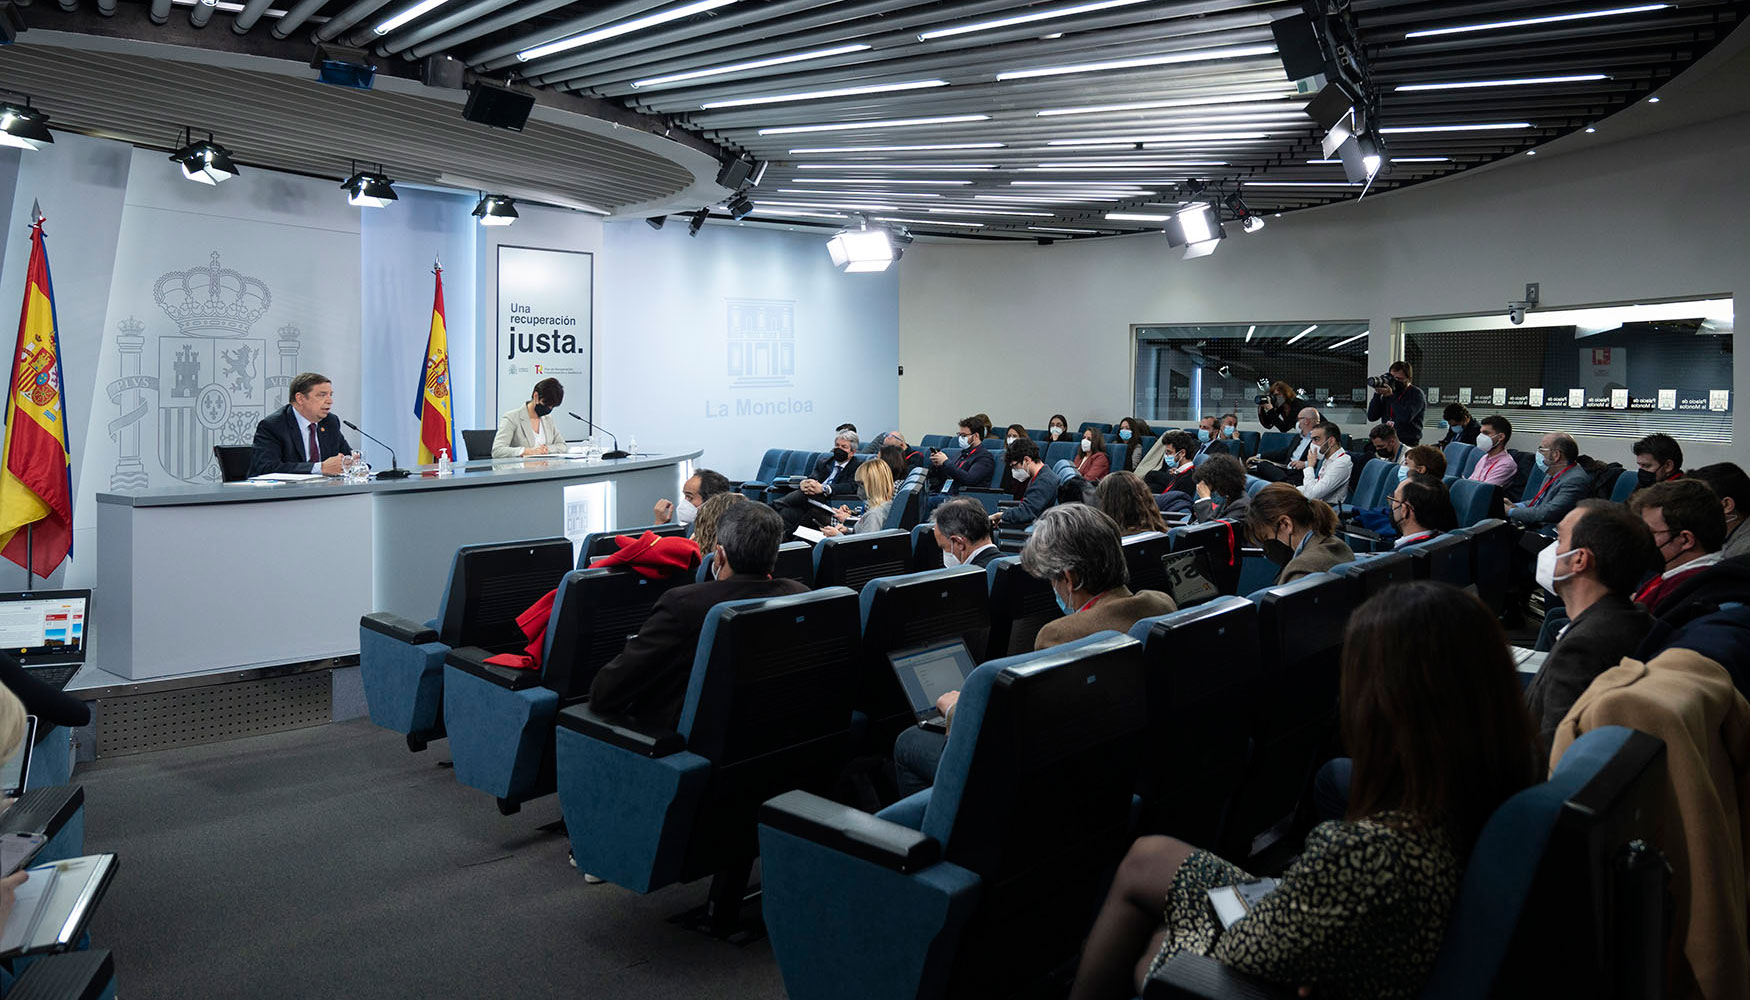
[973, 467]
[302, 436]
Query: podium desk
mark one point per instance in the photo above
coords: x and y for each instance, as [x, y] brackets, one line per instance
[201, 578]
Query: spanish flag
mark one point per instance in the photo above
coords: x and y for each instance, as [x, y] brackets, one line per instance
[36, 487]
[432, 406]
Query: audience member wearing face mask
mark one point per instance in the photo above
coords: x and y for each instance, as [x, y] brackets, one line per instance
[1658, 459]
[1009, 484]
[1457, 426]
[962, 530]
[1221, 490]
[1039, 483]
[1732, 486]
[834, 477]
[1131, 431]
[1420, 508]
[1328, 466]
[1497, 467]
[1229, 432]
[1288, 465]
[1281, 411]
[1091, 462]
[1297, 533]
[1175, 473]
[1057, 428]
[1688, 526]
[1564, 484]
[1078, 550]
[699, 487]
[1209, 439]
[1601, 552]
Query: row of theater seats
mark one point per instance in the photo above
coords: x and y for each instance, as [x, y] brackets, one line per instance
[54, 808]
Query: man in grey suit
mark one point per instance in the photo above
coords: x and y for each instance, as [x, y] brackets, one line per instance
[1564, 485]
[1600, 554]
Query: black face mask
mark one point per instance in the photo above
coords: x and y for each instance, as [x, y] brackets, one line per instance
[1277, 552]
[840, 456]
[542, 409]
[1644, 479]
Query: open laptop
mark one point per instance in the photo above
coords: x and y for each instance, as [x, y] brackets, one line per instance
[15, 772]
[928, 673]
[1189, 577]
[47, 632]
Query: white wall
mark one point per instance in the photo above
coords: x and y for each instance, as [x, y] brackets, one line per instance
[1023, 331]
[679, 313]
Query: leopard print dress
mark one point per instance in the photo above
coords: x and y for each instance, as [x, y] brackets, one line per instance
[1361, 914]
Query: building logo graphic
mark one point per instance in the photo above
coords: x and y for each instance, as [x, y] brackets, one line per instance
[762, 343]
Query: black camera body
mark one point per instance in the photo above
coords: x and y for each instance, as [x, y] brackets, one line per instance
[1263, 397]
[1386, 381]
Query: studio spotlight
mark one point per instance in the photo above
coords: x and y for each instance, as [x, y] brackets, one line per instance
[495, 210]
[204, 161]
[369, 189]
[22, 126]
[861, 249]
[656, 221]
[697, 221]
[1242, 213]
[1197, 228]
[740, 207]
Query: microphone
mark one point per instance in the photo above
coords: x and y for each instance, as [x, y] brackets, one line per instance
[394, 471]
[616, 453]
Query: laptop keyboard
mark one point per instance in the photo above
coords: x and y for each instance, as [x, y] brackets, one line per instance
[55, 677]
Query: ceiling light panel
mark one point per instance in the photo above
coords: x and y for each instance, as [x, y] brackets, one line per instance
[975, 210]
[821, 95]
[1009, 22]
[1263, 100]
[876, 180]
[896, 166]
[887, 123]
[1524, 81]
[930, 222]
[1529, 22]
[622, 28]
[1169, 59]
[811, 150]
[1419, 129]
[795, 57]
[1163, 138]
[1135, 217]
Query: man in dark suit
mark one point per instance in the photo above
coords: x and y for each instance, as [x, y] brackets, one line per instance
[973, 467]
[648, 680]
[1022, 459]
[835, 477]
[1209, 440]
[1601, 552]
[302, 437]
[963, 534]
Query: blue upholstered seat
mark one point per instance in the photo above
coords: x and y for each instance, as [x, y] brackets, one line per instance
[1471, 500]
[1223, 541]
[401, 661]
[1445, 558]
[853, 560]
[795, 562]
[767, 710]
[1142, 556]
[907, 611]
[1060, 451]
[1020, 605]
[500, 719]
[997, 881]
[1375, 572]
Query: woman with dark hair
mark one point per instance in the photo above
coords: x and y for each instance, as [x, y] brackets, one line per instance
[1131, 431]
[1092, 463]
[1221, 490]
[894, 456]
[1283, 408]
[1296, 532]
[1126, 499]
[1459, 425]
[1057, 429]
[529, 429]
[1009, 484]
[1432, 713]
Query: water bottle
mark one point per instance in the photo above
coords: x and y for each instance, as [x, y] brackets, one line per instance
[632, 446]
[445, 466]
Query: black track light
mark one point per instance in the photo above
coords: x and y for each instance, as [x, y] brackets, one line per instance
[22, 126]
[203, 160]
[697, 221]
[369, 189]
[495, 210]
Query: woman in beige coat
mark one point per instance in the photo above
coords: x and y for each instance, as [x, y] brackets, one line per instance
[529, 429]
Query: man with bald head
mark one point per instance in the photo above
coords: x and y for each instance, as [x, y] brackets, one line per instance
[1564, 484]
[1288, 465]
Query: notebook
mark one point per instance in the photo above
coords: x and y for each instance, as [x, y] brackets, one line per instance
[929, 672]
[1189, 577]
[50, 910]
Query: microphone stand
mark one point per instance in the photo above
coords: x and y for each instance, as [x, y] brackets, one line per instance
[616, 453]
[394, 471]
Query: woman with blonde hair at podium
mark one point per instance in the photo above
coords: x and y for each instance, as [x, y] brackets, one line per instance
[529, 429]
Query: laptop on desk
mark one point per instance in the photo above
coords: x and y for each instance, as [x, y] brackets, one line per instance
[929, 672]
[47, 632]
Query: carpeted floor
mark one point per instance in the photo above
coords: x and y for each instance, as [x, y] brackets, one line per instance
[332, 862]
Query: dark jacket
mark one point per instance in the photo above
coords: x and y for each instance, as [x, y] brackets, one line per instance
[846, 484]
[1233, 510]
[1214, 446]
[278, 447]
[1695, 597]
[1282, 418]
[1403, 410]
[982, 558]
[1282, 456]
[1041, 494]
[648, 680]
[1594, 642]
[1165, 480]
[1554, 498]
[1462, 434]
[971, 468]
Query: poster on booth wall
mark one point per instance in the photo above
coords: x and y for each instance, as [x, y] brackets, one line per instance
[544, 326]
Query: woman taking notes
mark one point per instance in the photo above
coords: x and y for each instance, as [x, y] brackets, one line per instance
[528, 429]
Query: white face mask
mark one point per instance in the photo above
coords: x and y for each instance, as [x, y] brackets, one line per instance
[1012, 439]
[685, 512]
[1546, 567]
[1485, 443]
[1056, 431]
[964, 441]
[949, 559]
[1021, 474]
[1087, 445]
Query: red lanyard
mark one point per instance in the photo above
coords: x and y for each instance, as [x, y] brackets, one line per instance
[1489, 466]
[1547, 482]
[1090, 604]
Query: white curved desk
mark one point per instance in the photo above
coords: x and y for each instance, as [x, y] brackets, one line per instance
[192, 579]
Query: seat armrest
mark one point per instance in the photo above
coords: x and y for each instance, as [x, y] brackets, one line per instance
[472, 660]
[851, 831]
[399, 627]
[1190, 975]
[75, 975]
[621, 732]
[43, 810]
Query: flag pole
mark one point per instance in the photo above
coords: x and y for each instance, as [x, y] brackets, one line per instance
[29, 555]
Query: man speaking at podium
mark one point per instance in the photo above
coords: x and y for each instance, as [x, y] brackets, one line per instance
[303, 437]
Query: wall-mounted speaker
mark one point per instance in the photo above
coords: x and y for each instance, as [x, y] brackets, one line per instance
[498, 107]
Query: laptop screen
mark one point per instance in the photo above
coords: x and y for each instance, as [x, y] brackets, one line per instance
[45, 626]
[929, 672]
[1188, 576]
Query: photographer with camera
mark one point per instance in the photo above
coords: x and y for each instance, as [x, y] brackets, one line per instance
[1398, 402]
[1278, 406]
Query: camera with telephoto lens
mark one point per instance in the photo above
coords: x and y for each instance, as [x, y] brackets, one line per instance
[1386, 381]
